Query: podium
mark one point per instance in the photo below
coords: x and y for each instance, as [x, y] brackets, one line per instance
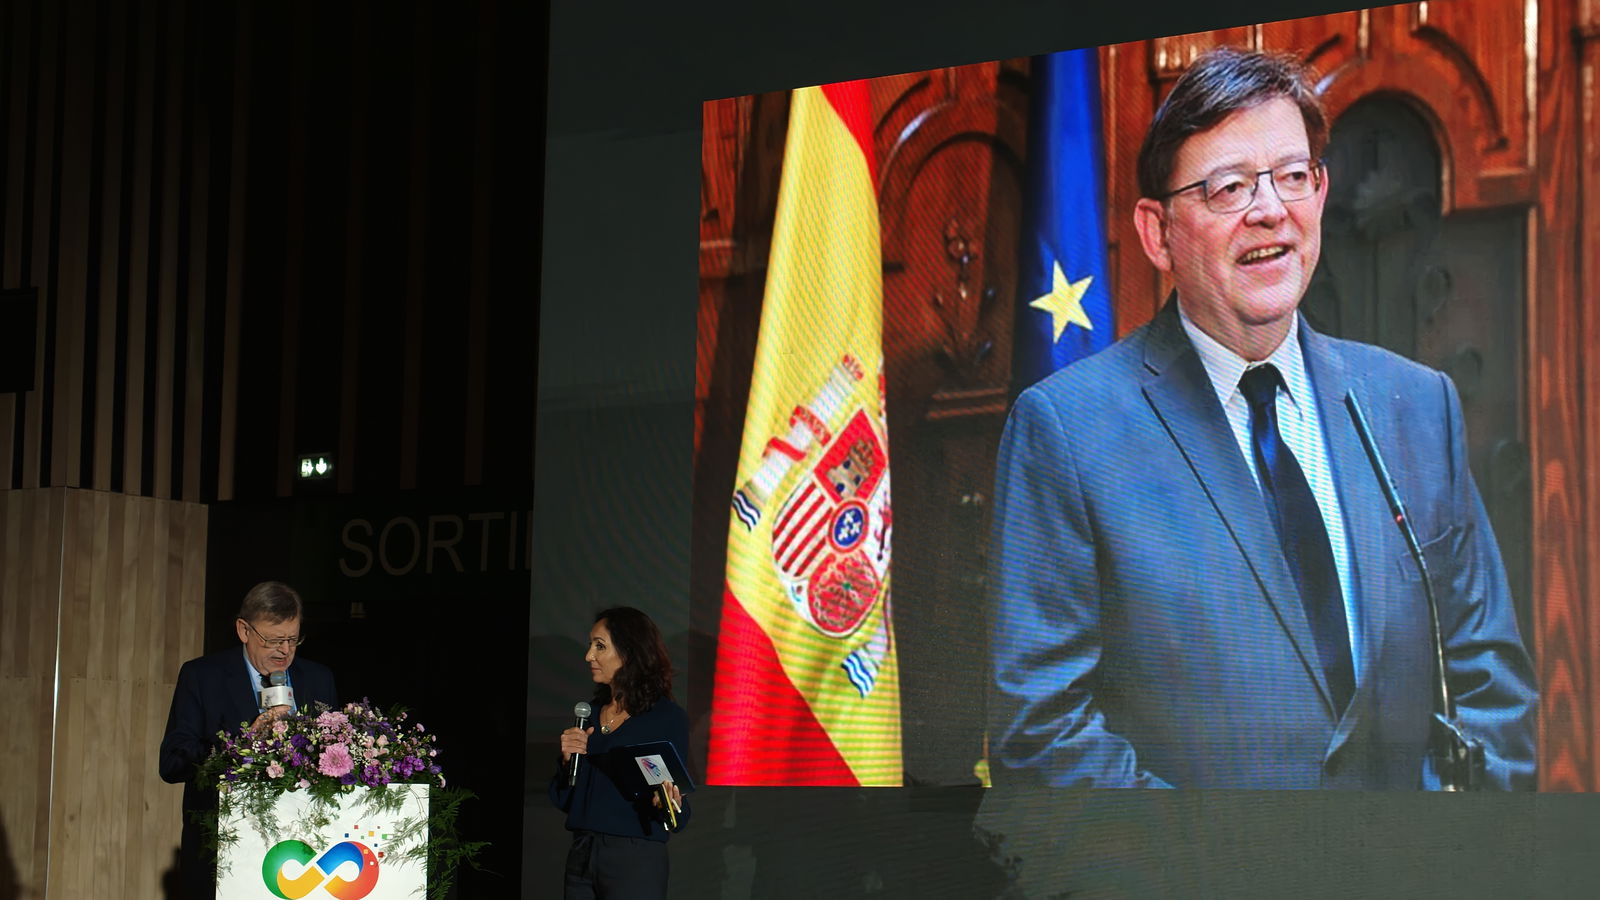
[368, 844]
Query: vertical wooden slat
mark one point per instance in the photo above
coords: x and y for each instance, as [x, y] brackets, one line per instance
[194, 372]
[1586, 221]
[294, 248]
[43, 174]
[19, 56]
[19, 26]
[174, 110]
[1566, 498]
[416, 246]
[238, 183]
[111, 212]
[355, 247]
[140, 227]
[478, 275]
[71, 274]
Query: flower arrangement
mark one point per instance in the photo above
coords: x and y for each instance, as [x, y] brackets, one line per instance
[327, 750]
[329, 754]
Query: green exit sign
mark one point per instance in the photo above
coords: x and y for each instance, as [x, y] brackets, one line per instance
[315, 466]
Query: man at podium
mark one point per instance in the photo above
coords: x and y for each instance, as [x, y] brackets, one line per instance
[231, 690]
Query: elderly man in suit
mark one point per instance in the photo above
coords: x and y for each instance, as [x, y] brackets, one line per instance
[1196, 579]
[222, 691]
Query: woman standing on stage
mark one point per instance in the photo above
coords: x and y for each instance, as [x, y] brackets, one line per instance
[619, 841]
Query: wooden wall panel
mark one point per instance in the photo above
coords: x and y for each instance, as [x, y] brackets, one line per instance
[1568, 532]
[103, 599]
[1128, 98]
[1327, 42]
[1464, 66]
[30, 590]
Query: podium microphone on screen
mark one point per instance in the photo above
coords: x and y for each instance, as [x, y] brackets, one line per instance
[1458, 758]
[582, 711]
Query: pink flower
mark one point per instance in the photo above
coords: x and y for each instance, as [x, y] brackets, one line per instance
[302, 784]
[274, 770]
[280, 727]
[333, 719]
[335, 761]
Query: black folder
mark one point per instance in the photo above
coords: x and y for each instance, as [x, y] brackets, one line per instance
[636, 778]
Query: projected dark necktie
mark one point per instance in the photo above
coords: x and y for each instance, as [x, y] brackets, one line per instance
[1301, 532]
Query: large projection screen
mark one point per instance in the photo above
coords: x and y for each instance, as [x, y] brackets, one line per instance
[631, 497]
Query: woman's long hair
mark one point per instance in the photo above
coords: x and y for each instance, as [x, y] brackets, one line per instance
[646, 673]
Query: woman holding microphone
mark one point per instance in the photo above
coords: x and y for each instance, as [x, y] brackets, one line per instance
[619, 841]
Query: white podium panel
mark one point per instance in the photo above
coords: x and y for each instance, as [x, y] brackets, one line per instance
[360, 848]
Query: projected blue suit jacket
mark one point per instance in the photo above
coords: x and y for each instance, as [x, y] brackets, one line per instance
[1146, 630]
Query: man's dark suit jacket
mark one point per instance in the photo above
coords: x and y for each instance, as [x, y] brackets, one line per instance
[1147, 630]
[214, 693]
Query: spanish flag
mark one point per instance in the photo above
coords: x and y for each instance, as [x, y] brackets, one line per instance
[807, 690]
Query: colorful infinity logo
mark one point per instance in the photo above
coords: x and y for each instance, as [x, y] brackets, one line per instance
[314, 875]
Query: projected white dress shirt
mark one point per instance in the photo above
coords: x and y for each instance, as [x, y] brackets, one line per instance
[1301, 427]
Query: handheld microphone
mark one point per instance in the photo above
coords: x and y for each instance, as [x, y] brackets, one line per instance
[582, 711]
[276, 691]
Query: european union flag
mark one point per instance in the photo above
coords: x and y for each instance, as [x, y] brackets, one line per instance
[1064, 297]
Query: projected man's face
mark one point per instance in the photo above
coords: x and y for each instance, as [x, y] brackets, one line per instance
[603, 658]
[1239, 275]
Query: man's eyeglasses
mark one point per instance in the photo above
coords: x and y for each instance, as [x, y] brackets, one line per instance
[275, 643]
[1230, 192]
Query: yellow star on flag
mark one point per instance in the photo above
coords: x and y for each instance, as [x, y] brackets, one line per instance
[1064, 303]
